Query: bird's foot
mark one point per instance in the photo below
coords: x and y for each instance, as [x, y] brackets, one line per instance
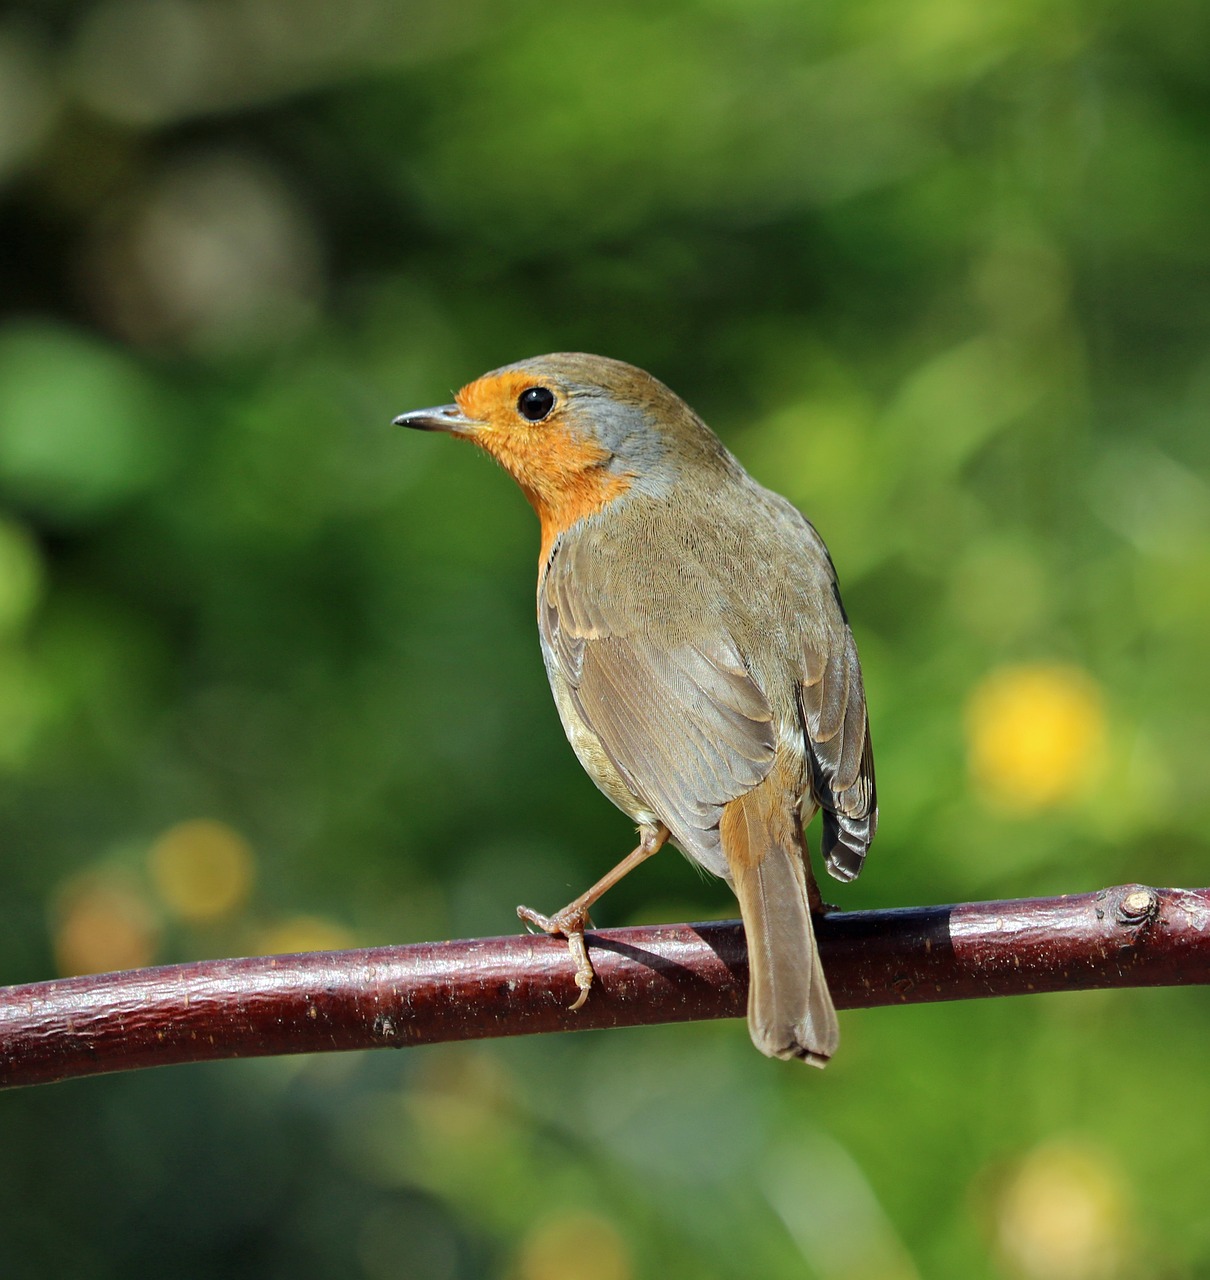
[569, 923]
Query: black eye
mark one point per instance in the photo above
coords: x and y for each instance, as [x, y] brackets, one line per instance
[534, 403]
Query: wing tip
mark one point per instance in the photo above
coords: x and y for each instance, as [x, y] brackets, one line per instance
[846, 841]
[803, 1042]
[804, 1047]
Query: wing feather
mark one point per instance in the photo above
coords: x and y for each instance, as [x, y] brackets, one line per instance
[837, 730]
[667, 728]
[685, 725]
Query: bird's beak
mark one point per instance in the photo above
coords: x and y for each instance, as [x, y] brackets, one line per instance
[446, 417]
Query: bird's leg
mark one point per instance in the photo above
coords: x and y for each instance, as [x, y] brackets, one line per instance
[815, 899]
[571, 921]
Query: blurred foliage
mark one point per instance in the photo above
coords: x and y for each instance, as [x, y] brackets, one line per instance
[268, 674]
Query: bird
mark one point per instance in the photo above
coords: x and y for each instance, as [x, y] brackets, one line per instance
[701, 661]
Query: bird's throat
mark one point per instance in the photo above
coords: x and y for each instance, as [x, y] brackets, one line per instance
[584, 495]
[565, 478]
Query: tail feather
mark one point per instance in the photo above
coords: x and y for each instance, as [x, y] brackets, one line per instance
[790, 1012]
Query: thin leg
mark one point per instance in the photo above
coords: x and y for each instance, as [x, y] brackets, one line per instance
[814, 898]
[571, 921]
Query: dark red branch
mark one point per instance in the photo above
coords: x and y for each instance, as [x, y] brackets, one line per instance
[388, 997]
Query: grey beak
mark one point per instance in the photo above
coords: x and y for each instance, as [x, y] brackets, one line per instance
[445, 417]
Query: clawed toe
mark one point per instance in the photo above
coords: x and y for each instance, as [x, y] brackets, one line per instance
[561, 925]
[569, 925]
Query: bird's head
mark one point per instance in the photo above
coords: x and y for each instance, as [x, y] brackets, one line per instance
[578, 432]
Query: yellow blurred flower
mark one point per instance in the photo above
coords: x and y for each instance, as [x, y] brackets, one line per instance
[577, 1243]
[102, 926]
[1063, 1215]
[202, 870]
[1035, 734]
[303, 933]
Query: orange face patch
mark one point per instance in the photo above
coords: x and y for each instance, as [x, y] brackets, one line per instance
[558, 462]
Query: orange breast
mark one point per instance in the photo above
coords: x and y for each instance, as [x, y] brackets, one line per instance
[591, 491]
[559, 465]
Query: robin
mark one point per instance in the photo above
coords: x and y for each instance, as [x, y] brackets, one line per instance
[699, 655]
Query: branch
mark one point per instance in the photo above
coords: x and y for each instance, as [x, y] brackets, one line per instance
[390, 997]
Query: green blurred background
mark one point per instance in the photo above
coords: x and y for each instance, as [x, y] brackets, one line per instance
[269, 676]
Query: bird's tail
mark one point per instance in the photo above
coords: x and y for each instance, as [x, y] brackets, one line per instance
[790, 1013]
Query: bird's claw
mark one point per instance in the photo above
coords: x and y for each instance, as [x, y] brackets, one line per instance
[569, 925]
[584, 970]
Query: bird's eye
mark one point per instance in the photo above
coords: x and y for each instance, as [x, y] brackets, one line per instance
[534, 403]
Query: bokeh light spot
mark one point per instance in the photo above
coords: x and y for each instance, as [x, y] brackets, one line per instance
[1062, 1216]
[202, 870]
[103, 926]
[1036, 734]
[585, 1245]
[216, 253]
[80, 425]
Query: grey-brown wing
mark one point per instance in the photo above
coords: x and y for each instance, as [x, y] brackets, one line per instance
[837, 728]
[684, 724]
